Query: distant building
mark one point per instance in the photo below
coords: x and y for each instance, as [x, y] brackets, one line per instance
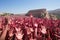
[37, 13]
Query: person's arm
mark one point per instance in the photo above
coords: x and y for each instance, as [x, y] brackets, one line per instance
[4, 33]
[57, 35]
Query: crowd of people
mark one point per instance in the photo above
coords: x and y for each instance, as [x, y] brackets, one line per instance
[29, 28]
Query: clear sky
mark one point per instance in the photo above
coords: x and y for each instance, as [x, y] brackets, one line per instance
[23, 6]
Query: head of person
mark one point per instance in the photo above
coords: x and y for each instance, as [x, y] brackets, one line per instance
[11, 33]
[19, 35]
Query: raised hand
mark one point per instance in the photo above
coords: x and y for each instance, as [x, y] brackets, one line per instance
[4, 33]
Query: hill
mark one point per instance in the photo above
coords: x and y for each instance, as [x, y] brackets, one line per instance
[55, 12]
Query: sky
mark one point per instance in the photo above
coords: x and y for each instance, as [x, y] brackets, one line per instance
[23, 6]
